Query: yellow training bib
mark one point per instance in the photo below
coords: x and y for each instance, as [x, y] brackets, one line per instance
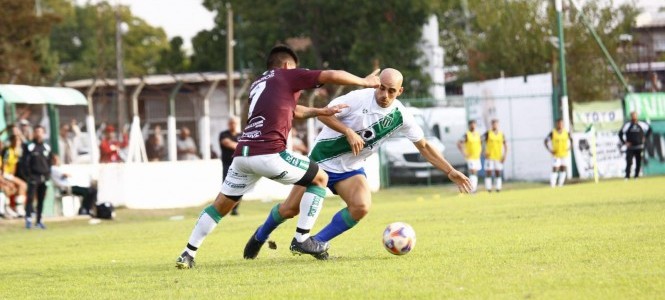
[560, 143]
[494, 145]
[473, 145]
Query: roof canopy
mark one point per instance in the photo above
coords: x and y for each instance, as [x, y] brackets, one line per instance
[41, 95]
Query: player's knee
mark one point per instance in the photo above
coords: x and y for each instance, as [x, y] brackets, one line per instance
[359, 211]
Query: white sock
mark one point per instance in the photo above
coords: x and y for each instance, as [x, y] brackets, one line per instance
[488, 183]
[3, 202]
[310, 207]
[562, 177]
[499, 182]
[553, 177]
[474, 182]
[20, 200]
[206, 223]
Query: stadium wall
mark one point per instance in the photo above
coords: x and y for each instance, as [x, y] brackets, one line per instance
[160, 185]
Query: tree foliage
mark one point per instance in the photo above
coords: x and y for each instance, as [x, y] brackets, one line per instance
[85, 42]
[24, 45]
[351, 35]
[519, 37]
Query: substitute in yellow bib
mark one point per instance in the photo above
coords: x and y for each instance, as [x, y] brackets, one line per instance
[495, 154]
[471, 147]
[558, 143]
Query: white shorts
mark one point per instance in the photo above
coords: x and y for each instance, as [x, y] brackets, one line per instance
[494, 165]
[285, 167]
[559, 161]
[473, 164]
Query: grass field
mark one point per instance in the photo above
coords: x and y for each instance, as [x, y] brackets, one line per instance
[604, 241]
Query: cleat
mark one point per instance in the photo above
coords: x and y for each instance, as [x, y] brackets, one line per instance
[40, 225]
[309, 246]
[321, 256]
[253, 247]
[185, 261]
[28, 224]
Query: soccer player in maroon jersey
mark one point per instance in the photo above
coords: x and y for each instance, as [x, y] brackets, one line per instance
[261, 149]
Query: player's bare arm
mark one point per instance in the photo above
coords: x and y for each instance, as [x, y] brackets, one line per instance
[505, 152]
[304, 112]
[355, 141]
[437, 160]
[346, 78]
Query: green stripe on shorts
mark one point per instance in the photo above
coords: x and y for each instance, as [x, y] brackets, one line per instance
[294, 161]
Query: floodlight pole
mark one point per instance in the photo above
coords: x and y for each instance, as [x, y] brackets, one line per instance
[558, 4]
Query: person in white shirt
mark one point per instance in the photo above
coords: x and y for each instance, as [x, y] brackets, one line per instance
[348, 139]
[76, 184]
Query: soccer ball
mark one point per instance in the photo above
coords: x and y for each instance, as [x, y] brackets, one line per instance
[399, 238]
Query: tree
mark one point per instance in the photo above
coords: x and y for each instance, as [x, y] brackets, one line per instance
[85, 42]
[173, 59]
[24, 44]
[350, 35]
[514, 38]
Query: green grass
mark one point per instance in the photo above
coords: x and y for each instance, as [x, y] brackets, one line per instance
[581, 241]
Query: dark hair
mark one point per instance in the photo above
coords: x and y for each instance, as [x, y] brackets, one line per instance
[472, 122]
[279, 55]
[559, 120]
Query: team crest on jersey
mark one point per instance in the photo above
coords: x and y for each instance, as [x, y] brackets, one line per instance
[387, 120]
[367, 134]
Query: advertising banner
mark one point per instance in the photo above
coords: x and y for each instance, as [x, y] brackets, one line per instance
[649, 106]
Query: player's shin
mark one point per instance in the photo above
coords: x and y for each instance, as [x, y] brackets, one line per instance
[271, 223]
[488, 182]
[310, 207]
[206, 223]
[474, 182]
[562, 177]
[553, 177]
[341, 222]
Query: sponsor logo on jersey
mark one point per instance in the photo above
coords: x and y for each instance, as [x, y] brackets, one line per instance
[256, 122]
[252, 134]
[235, 185]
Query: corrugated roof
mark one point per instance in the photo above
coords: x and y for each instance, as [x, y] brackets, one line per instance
[157, 79]
[650, 20]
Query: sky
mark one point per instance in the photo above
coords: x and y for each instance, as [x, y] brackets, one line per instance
[182, 18]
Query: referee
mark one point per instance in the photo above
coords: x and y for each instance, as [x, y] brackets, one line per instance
[633, 134]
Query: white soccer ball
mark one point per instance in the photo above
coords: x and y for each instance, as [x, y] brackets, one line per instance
[399, 238]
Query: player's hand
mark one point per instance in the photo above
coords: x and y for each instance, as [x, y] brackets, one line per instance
[463, 183]
[355, 141]
[372, 80]
[332, 110]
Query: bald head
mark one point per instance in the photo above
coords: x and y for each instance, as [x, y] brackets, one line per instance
[390, 88]
[391, 77]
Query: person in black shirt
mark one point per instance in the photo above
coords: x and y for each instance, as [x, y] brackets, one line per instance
[633, 134]
[36, 164]
[228, 140]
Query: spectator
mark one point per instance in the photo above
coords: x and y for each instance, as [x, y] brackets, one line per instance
[67, 141]
[633, 134]
[154, 146]
[228, 140]
[77, 185]
[186, 146]
[109, 148]
[36, 165]
[26, 130]
[11, 155]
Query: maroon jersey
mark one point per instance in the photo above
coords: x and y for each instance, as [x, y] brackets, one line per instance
[272, 101]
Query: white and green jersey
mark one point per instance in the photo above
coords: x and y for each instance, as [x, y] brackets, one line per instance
[373, 123]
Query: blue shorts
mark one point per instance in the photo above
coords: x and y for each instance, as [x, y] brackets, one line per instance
[337, 177]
